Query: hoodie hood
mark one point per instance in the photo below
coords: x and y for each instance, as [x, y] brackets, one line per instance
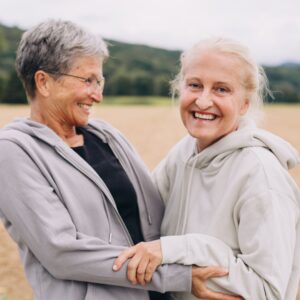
[34, 129]
[47, 135]
[248, 135]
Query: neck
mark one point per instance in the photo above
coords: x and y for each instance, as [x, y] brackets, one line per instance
[61, 128]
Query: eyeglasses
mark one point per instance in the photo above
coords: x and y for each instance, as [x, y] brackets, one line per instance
[90, 82]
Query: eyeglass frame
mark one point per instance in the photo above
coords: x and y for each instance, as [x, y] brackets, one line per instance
[99, 84]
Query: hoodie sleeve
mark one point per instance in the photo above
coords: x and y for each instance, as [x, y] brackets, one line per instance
[267, 238]
[37, 219]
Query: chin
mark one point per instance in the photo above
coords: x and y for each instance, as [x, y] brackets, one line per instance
[81, 123]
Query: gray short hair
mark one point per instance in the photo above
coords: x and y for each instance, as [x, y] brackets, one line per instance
[254, 81]
[53, 46]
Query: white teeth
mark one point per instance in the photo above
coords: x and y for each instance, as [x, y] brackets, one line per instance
[85, 106]
[204, 116]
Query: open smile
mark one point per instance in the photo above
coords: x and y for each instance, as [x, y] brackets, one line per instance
[85, 107]
[202, 116]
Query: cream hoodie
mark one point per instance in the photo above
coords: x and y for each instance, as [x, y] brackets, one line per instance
[234, 205]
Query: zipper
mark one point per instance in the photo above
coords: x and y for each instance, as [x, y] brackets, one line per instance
[99, 182]
[108, 138]
[123, 164]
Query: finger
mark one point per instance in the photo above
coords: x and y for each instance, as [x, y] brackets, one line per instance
[141, 270]
[121, 259]
[152, 266]
[132, 268]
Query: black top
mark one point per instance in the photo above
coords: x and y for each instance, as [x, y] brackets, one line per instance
[101, 158]
[99, 155]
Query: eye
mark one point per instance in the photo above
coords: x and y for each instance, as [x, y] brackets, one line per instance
[194, 85]
[88, 81]
[222, 89]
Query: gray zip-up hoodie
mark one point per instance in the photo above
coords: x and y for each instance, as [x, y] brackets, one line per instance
[235, 205]
[65, 221]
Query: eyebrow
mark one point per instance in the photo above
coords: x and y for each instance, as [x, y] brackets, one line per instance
[192, 79]
[222, 82]
[218, 82]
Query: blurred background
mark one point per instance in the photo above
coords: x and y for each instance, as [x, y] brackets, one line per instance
[146, 38]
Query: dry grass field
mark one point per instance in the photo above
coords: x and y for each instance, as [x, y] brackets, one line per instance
[152, 130]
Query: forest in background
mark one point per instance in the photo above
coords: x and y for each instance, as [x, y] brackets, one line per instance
[136, 70]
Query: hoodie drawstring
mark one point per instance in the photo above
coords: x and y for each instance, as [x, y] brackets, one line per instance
[187, 200]
[184, 200]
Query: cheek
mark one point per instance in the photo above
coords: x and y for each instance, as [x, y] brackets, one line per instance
[183, 110]
[183, 106]
[185, 99]
[244, 107]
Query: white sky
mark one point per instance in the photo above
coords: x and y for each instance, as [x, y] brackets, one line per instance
[270, 28]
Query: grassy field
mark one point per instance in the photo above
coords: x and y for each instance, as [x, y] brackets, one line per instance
[152, 130]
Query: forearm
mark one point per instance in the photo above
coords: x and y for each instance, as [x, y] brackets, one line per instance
[95, 265]
[242, 280]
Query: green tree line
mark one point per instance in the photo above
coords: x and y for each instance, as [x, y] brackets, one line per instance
[135, 70]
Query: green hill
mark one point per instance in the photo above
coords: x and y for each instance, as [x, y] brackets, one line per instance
[139, 70]
[135, 70]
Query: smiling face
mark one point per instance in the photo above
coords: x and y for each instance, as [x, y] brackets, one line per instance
[71, 98]
[66, 102]
[212, 97]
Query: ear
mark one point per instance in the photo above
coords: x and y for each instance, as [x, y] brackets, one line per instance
[244, 106]
[42, 82]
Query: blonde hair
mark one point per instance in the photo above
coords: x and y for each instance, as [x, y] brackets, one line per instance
[255, 80]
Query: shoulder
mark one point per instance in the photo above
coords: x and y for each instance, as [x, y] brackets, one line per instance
[104, 129]
[183, 149]
[13, 135]
[176, 158]
[180, 152]
[260, 170]
[114, 137]
[12, 154]
[12, 141]
[101, 125]
[260, 158]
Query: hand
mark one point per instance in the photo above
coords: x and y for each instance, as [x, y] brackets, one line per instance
[199, 277]
[145, 258]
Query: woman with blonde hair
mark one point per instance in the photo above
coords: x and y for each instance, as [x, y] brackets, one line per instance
[229, 198]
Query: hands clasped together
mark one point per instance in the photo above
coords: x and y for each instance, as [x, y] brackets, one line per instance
[146, 257]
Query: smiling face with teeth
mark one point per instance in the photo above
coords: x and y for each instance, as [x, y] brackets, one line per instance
[68, 100]
[212, 96]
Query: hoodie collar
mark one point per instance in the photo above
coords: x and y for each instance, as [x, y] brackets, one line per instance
[247, 135]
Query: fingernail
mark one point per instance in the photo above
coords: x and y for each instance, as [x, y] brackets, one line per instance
[115, 267]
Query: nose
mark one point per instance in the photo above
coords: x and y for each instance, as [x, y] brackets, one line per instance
[96, 94]
[204, 100]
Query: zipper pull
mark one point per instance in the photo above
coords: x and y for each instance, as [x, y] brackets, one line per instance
[149, 219]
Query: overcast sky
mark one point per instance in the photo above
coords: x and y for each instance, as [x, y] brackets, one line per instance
[270, 28]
